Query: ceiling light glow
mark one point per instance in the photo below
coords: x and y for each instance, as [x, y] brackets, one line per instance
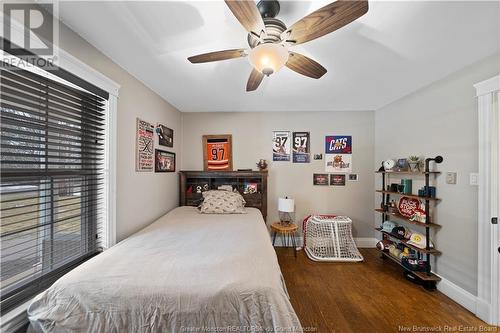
[268, 58]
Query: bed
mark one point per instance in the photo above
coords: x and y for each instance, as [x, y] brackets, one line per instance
[185, 272]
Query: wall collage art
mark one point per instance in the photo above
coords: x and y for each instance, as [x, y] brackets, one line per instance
[147, 158]
[296, 147]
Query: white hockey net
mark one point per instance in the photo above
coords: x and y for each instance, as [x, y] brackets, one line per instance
[330, 239]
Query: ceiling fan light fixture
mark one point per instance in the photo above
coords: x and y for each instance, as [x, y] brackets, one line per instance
[269, 38]
[268, 58]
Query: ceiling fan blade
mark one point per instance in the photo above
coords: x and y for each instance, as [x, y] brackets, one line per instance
[305, 66]
[325, 20]
[254, 80]
[217, 56]
[248, 14]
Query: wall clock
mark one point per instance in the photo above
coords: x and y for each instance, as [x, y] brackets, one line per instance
[389, 164]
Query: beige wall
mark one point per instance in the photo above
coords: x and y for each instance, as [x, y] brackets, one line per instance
[141, 197]
[252, 140]
[441, 119]
[438, 119]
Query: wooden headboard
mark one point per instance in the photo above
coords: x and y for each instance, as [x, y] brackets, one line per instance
[192, 182]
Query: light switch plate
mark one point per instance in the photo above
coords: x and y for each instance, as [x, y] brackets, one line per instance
[451, 178]
[474, 178]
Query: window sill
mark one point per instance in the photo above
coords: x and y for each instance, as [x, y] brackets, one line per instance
[15, 318]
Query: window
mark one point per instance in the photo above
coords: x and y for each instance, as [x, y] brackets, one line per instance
[53, 181]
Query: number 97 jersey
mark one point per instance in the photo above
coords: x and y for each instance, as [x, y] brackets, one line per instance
[218, 155]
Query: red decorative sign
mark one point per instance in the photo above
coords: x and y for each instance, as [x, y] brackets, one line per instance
[408, 206]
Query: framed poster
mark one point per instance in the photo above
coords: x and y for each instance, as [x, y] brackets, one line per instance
[164, 161]
[353, 177]
[281, 146]
[217, 152]
[300, 147]
[144, 158]
[165, 136]
[338, 144]
[337, 180]
[318, 156]
[320, 179]
[338, 163]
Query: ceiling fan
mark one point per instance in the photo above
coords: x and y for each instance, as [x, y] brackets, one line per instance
[269, 38]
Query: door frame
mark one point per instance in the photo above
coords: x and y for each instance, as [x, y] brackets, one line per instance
[488, 284]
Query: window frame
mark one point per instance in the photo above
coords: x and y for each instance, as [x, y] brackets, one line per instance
[16, 317]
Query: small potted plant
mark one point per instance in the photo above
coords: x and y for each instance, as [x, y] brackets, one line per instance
[414, 163]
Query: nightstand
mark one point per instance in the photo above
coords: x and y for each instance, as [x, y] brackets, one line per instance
[288, 232]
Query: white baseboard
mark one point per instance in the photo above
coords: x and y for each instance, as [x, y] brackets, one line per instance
[483, 310]
[365, 242]
[458, 294]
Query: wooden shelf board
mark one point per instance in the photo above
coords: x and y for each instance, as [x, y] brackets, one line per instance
[410, 172]
[408, 195]
[432, 251]
[422, 275]
[401, 217]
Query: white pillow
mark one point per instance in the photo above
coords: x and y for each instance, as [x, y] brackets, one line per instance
[222, 202]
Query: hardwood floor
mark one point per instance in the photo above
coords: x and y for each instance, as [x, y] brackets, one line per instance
[372, 296]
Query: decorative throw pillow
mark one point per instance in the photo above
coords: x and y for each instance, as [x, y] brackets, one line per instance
[222, 202]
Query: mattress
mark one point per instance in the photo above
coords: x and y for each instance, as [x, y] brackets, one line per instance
[186, 272]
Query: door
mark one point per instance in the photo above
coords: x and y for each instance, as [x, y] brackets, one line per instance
[488, 298]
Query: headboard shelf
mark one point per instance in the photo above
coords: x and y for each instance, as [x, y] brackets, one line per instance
[191, 182]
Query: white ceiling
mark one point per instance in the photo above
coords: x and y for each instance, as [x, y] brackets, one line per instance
[396, 48]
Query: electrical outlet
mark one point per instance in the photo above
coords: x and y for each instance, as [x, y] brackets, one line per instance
[474, 178]
[451, 178]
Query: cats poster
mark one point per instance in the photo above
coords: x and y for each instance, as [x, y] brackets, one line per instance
[339, 144]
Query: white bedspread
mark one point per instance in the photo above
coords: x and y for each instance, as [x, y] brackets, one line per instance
[186, 272]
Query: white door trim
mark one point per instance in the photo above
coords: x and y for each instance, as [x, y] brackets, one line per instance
[488, 288]
[111, 148]
[487, 86]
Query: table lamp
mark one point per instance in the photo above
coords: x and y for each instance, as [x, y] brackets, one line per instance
[286, 206]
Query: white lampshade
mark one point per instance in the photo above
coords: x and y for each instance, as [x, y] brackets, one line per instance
[268, 58]
[286, 205]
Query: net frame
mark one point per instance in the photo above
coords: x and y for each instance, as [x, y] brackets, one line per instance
[329, 238]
